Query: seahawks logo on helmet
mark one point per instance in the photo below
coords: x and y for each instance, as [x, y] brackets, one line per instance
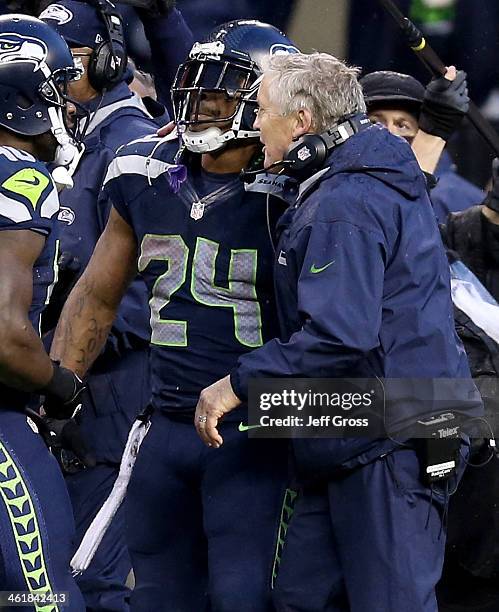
[17, 48]
[281, 49]
[58, 13]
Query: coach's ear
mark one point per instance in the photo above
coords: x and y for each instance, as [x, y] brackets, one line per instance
[303, 123]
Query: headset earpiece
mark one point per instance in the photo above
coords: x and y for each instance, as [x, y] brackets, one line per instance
[106, 66]
[108, 61]
[307, 153]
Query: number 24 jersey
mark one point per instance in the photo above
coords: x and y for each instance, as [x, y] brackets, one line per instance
[206, 255]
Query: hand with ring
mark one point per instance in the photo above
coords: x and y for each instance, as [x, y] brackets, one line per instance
[214, 402]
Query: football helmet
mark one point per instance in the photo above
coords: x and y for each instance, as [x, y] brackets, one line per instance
[35, 68]
[230, 62]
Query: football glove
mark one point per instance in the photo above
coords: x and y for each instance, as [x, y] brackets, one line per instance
[63, 394]
[444, 106]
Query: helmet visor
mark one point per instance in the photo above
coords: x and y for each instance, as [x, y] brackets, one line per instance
[197, 77]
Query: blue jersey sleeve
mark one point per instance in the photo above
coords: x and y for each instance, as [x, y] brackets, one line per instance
[113, 190]
[28, 197]
[136, 168]
[339, 290]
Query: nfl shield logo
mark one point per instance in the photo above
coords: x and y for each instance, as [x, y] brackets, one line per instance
[304, 153]
[197, 210]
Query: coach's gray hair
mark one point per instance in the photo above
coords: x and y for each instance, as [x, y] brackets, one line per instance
[319, 82]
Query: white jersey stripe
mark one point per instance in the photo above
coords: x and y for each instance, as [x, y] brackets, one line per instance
[50, 205]
[136, 164]
[13, 210]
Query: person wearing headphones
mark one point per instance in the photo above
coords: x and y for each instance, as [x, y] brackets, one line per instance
[363, 291]
[114, 116]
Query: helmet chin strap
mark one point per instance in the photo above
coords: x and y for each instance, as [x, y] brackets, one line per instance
[63, 175]
[67, 150]
[67, 155]
[206, 141]
[213, 138]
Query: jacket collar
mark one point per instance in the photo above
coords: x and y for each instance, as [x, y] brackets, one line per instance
[102, 107]
[309, 183]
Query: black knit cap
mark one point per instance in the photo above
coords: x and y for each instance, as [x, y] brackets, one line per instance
[387, 87]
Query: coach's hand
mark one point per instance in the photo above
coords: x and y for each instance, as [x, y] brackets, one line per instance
[214, 402]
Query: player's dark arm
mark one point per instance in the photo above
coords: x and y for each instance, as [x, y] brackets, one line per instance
[90, 310]
[24, 363]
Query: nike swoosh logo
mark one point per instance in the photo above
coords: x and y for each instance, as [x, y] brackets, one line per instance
[243, 427]
[315, 270]
[35, 182]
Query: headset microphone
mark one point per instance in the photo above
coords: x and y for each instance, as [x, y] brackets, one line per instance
[249, 176]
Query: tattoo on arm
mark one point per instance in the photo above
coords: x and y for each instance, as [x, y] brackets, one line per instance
[89, 312]
[82, 331]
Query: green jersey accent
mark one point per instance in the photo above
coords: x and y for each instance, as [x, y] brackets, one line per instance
[240, 295]
[288, 507]
[172, 250]
[29, 183]
[14, 493]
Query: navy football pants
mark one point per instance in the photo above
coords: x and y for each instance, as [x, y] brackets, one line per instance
[103, 583]
[36, 521]
[118, 390]
[370, 541]
[202, 523]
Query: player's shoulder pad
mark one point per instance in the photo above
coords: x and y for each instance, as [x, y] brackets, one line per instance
[148, 157]
[26, 187]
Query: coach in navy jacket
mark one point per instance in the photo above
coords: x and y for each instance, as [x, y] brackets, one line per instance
[363, 290]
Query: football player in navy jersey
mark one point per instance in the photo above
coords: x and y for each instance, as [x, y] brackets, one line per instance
[202, 526]
[94, 33]
[36, 523]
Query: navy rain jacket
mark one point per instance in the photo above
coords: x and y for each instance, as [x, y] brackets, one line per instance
[362, 279]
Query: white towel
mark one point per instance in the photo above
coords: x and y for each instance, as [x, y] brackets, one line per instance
[470, 296]
[93, 537]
